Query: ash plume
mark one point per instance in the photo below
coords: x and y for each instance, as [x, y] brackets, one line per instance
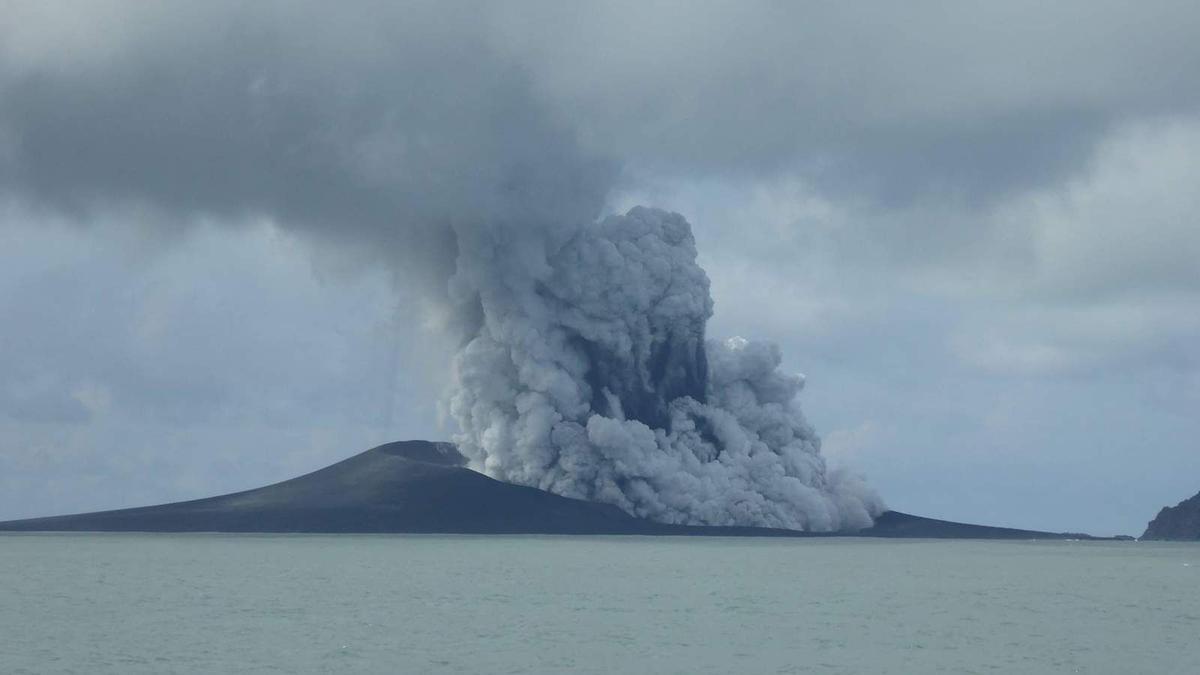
[412, 137]
[590, 376]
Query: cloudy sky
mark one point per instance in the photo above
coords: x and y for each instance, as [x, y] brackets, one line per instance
[973, 228]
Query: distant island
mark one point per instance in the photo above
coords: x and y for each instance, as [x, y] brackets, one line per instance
[425, 487]
[1176, 523]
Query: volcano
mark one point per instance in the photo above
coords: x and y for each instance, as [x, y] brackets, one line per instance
[424, 487]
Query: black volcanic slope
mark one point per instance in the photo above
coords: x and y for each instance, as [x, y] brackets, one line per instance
[1176, 523]
[902, 525]
[412, 486]
[422, 487]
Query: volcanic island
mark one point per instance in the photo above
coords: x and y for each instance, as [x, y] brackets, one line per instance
[422, 487]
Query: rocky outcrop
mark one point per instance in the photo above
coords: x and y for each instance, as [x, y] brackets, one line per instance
[1176, 523]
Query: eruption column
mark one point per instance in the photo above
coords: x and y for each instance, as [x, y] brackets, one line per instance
[589, 375]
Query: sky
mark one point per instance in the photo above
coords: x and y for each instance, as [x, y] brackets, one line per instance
[971, 227]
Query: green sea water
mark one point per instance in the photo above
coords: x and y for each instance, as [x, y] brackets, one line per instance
[115, 603]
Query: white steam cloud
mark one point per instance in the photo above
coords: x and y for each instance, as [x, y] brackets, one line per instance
[590, 376]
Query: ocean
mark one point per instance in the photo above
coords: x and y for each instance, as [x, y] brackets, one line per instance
[209, 603]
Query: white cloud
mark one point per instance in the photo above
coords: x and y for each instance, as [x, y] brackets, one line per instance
[1131, 222]
[1113, 275]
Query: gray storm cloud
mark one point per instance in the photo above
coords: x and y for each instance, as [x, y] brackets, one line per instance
[426, 144]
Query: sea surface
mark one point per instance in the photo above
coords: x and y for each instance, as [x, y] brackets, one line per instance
[207, 603]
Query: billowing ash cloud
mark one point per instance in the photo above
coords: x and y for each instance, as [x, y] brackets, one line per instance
[590, 376]
[426, 138]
